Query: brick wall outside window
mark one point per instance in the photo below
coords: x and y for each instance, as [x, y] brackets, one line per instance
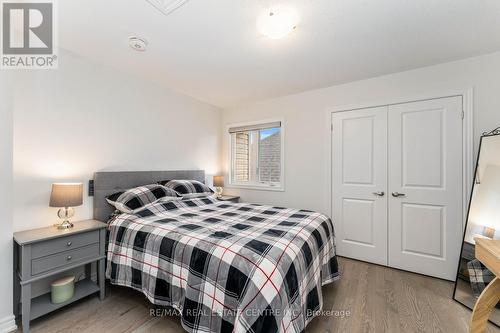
[242, 151]
[270, 158]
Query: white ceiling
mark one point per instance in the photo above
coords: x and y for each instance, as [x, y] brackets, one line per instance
[211, 50]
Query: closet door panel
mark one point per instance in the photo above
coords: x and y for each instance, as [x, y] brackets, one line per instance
[422, 147]
[359, 169]
[425, 181]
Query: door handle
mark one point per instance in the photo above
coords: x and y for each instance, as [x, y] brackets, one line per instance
[398, 195]
[380, 194]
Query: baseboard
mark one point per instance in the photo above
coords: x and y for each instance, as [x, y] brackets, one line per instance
[8, 324]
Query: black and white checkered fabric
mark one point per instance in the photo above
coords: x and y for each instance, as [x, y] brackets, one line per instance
[479, 276]
[226, 267]
[136, 198]
[187, 187]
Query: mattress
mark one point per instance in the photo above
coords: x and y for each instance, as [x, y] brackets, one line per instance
[226, 267]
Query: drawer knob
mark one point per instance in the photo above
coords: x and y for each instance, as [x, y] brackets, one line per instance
[69, 243]
[69, 258]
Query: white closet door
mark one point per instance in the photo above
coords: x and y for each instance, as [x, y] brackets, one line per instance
[359, 176]
[425, 181]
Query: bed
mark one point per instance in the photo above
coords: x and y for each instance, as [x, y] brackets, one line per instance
[226, 267]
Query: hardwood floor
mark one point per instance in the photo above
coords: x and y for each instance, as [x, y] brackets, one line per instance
[373, 298]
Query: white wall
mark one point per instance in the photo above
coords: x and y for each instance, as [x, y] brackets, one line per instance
[306, 123]
[83, 117]
[6, 317]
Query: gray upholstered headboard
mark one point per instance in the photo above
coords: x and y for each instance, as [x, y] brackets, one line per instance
[106, 183]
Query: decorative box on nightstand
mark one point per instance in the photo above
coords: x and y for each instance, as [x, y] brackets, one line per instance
[42, 253]
[232, 198]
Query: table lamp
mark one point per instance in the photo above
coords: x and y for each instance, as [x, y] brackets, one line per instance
[218, 184]
[66, 196]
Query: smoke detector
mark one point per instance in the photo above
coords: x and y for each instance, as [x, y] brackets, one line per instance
[167, 6]
[138, 44]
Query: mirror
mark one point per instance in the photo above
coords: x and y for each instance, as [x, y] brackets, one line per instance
[483, 221]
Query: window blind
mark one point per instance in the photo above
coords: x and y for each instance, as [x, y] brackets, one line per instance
[254, 127]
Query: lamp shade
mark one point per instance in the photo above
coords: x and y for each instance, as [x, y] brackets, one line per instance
[218, 181]
[66, 195]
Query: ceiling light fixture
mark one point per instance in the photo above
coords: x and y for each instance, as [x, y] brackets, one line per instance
[138, 44]
[276, 23]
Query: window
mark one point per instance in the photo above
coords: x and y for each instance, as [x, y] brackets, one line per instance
[256, 155]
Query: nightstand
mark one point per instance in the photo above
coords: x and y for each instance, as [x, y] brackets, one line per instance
[232, 198]
[468, 254]
[41, 253]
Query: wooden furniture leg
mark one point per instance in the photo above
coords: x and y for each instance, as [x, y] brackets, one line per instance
[26, 307]
[17, 286]
[101, 264]
[101, 278]
[484, 305]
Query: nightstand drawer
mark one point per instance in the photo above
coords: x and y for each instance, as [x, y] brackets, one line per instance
[42, 265]
[54, 246]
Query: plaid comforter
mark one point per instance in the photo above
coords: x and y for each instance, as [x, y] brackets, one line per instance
[226, 267]
[479, 276]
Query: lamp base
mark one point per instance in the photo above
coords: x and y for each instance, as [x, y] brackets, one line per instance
[65, 214]
[218, 192]
[64, 225]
